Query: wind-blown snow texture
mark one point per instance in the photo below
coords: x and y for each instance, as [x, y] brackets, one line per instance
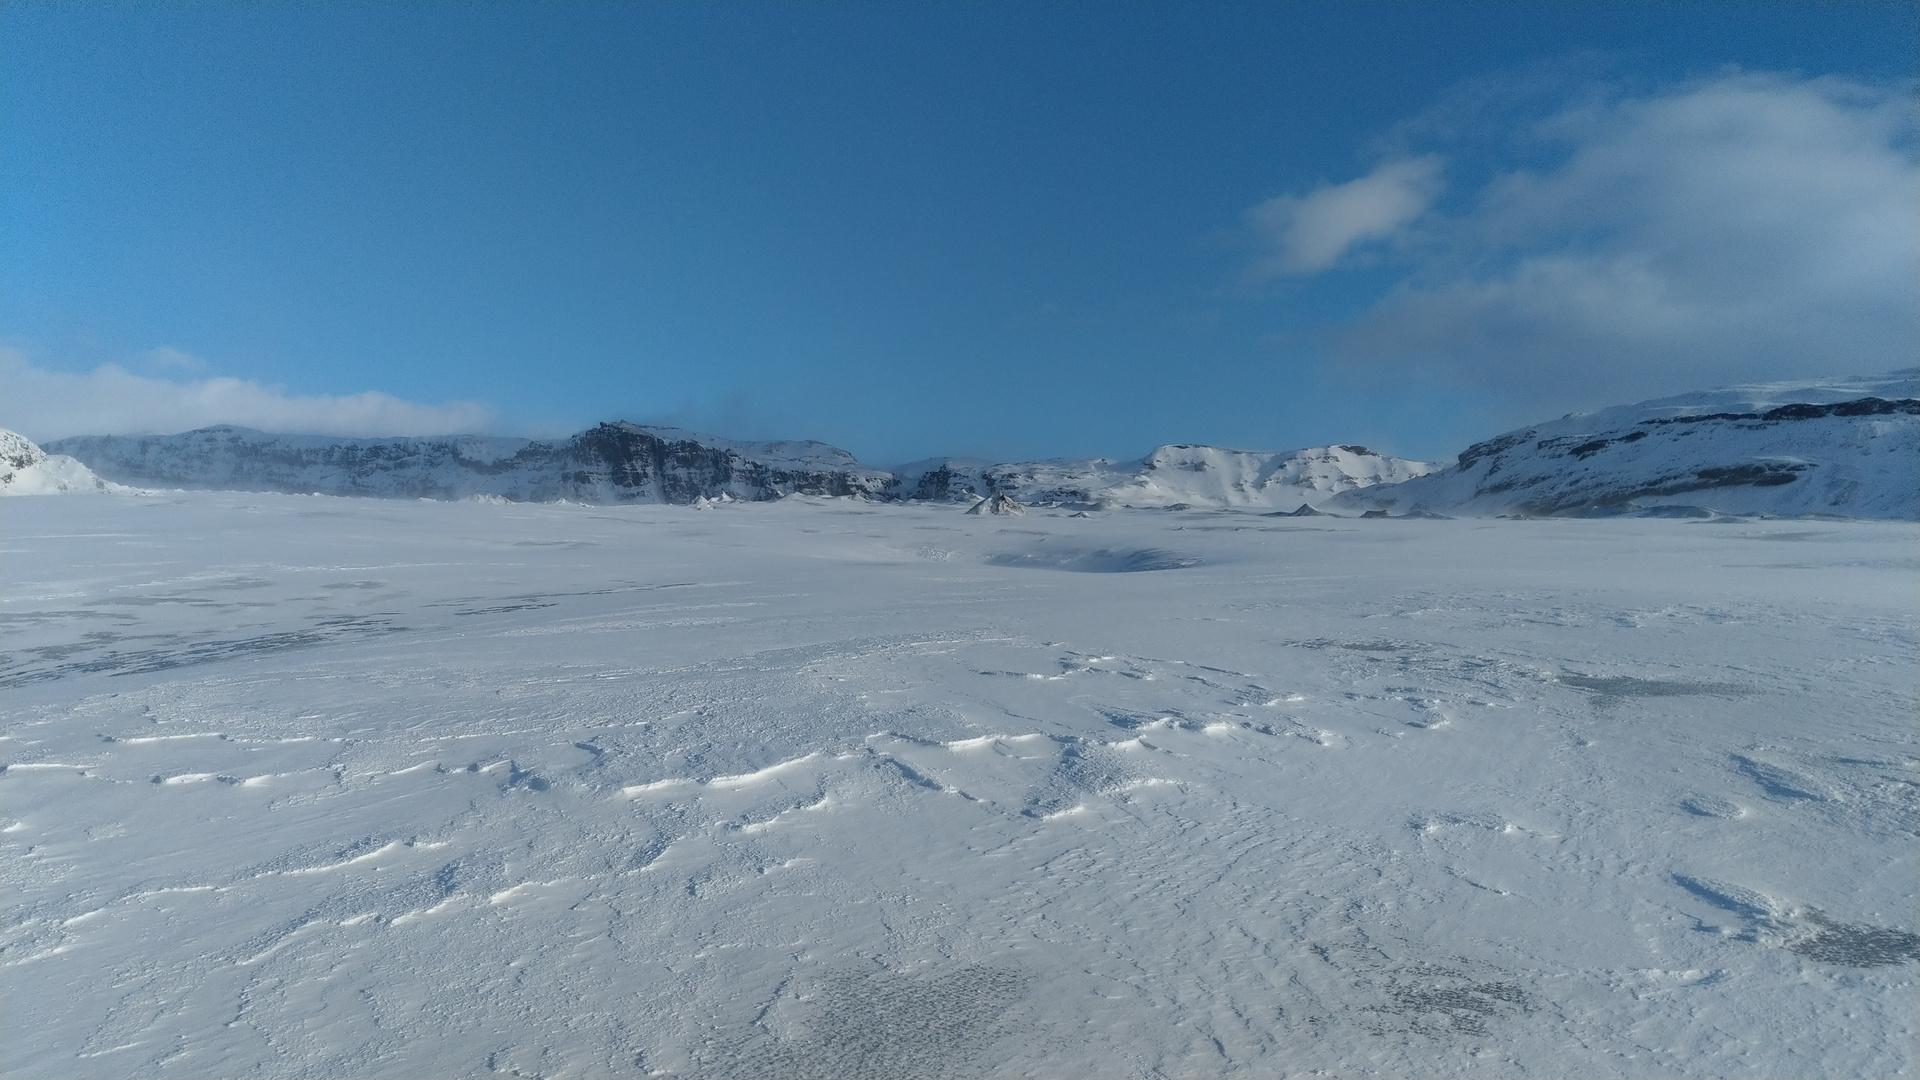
[25, 469]
[1848, 448]
[306, 787]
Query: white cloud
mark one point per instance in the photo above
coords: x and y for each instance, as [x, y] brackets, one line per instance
[166, 356]
[45, 405]
[1744, 227]
[1312, 232]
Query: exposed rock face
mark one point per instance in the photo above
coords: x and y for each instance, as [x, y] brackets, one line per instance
[945, 480]
[1847, 447]
[996, 504]
[625, 462]
[18, 452]
[617, 462]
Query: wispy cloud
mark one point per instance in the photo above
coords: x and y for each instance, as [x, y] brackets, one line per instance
[1313, 231]
[166, 357]
[43, 404]
[1746, 226]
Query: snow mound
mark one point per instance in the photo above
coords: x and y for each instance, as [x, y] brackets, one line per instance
[25, 469]
[1840, 447]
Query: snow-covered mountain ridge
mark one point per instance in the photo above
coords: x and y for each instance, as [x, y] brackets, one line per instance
[623, 462]
[1171, 476]
[610, 463]
[1847, 448]
[1841, 447]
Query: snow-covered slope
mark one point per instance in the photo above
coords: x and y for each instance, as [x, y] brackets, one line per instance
[1844, 447]
[610, 463]
[1173, 475]
[25, 469]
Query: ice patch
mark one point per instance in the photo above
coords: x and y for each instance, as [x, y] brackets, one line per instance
[1102, 561]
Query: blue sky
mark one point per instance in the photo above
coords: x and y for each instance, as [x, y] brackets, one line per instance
[1003, 229]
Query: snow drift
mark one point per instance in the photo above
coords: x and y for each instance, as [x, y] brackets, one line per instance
[404, 788]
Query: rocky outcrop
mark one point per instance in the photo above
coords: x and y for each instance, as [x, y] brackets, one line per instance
[25, 469]
[996, 504]
[624, 462]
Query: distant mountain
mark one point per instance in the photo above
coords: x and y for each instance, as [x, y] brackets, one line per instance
[1173, 475]
[624, 462]
[1845, 447]
[611, 463]
[25, 469]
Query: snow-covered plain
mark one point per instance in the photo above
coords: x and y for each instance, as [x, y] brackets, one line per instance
[305, 786]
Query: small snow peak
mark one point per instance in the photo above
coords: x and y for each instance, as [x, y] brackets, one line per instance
[996, 504]
[25, 469]
[18, 452]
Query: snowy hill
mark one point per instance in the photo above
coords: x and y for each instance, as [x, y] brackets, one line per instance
[1842, 447]
[1173, 475]
[25, 469]
[610, 463]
